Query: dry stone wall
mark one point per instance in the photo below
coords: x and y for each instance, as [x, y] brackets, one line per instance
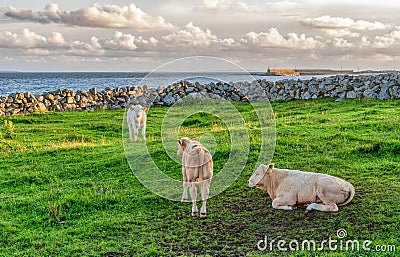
[382, 86]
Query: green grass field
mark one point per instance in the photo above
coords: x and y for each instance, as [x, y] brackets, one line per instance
[66, 188]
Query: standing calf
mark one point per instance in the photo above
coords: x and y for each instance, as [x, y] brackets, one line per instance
[136, 118]
[197, 167]
[290, 187]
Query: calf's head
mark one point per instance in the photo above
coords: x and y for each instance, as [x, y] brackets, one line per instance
[138, 109]
[259, 174]
[183, 143]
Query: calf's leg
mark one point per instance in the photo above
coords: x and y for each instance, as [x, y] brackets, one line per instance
[185, 192]
[325, 195]
[135, 132]
[205, 191]
[130, 131]
[144, 132]
[185, 186]
[322, 207]
[193, 196]
[283, 203]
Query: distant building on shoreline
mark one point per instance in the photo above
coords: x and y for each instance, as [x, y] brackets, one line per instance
[282, 72]
[300, 72]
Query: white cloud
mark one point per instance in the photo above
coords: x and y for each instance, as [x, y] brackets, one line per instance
[121, 41]
[36, 51]
[222, 6]
[129, 42]
[103, 16]
[273, 39]
[31, 43]
[190, 38]
[340, 43]
[79, 48]
[147, 44]
[341, 33]
[29, 39]
[56, 39]
[228, 42]
[193, 39]
[387, 40]
[365, 42]
[328, 22]
[191, 35]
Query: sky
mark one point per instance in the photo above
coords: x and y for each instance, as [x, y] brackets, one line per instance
[140, 35]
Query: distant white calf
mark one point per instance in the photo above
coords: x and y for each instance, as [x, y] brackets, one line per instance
[136, 118]
[197, 167]
[290, 187]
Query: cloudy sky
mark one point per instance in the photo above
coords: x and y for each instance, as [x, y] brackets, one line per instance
[140, 35]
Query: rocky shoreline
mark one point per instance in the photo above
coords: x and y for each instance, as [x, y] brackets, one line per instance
[381, 86]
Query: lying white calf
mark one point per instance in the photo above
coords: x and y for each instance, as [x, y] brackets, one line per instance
[290, 187]
[136, 119]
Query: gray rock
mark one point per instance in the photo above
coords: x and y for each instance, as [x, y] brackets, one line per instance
[367, 84]
[351, 94]
[376, 88]
[384, 93]
[360, 88]
[168, 100]
[312, 90]
[369, 93]
[330, 87]
[396, 91]
[306, 95]
[236, 98]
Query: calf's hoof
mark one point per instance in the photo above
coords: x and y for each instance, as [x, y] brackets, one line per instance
[307, 210]
[184, 200]
[194, 214]
[203, 215]
[310, 207]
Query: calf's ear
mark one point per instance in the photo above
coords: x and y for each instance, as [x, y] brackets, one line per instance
[195, 139]
[179, 141]
[270, 167]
